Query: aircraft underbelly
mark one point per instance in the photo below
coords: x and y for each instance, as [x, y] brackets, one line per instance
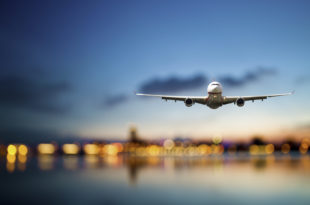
[215, 101]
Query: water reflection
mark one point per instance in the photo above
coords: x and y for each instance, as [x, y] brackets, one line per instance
[241, 177]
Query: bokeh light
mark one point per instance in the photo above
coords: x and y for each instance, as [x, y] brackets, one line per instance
[22, 149]
[11, 149]
[71, 148]
[46, 148]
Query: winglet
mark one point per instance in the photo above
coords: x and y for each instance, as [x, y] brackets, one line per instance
[293, 92]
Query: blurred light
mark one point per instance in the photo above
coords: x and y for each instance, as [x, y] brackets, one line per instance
[10, 167]
[46, 148]
[110, 149]
[10, 158]
[46, 162]
[12, 149]
[71, 162]
[70, 148]
[22, 149]
[217, 149]
[204, 149]
[217, 139]
[254, 149]
[303, 148]
[21, 166]
[91, 149]
[119, 146]
[22, 158]
[306, 141]
[269, 148]
[153, 150]
[285, 148]
[112, 160]
[168, 144]
[91, 161]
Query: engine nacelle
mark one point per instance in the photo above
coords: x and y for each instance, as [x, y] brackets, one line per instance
[240, 102]
[189, 102]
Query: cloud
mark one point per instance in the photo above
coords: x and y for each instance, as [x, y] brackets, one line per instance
[37, 135]
[32, 94]
[301, 80]
[173, 84]
[248, 77]
[114, 100]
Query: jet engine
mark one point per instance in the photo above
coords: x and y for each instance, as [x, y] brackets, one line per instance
[189, 102]
[240, 102]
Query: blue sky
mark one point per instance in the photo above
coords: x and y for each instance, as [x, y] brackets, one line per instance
[65, 63]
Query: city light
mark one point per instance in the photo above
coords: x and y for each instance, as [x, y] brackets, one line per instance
[11, 149]
[110, 149]
[91, 149]
[168, 144]
[269, 148]
[303, 148]
[22, 149]
[285, 148]
[71, 148]
[11, 158]
[46, 148]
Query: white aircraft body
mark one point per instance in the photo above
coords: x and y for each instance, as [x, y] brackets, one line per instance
[214, 99]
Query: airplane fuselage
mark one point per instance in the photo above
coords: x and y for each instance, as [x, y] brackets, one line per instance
[215, 98]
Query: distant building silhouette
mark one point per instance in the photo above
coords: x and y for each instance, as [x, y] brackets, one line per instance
[133, 136]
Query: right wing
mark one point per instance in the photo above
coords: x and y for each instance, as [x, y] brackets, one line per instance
[232, 99]
[196, 99]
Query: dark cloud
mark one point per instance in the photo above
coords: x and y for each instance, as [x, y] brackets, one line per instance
[113, 100]
[173, 84]
[302, 80]
[33, 94]
[33, 136]
[248, 77]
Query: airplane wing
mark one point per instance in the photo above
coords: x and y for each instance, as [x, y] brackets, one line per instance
[232, 99]
[196, 99]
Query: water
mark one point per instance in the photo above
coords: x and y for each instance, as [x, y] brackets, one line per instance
[275, 179]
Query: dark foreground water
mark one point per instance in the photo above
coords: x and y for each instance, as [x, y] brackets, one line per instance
[276, 179]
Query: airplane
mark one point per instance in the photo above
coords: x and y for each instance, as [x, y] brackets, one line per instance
[214, 99]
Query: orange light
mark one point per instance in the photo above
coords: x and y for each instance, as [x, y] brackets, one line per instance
[70, 148]
[285, 148]
[91, 149]
[12, 149]
[46, 148]
[110, 149]
[119, 146]
[10, 167]
[303, 148]
[22, 158]
[10, 158]
[22, 149]
[204, 149]
[254, 149]
[269, 149]
[153, 150]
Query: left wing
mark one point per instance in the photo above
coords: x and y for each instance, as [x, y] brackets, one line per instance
[196, 99]
[232, 99]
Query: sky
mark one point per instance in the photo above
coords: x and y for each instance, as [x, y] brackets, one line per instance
[71, 68]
